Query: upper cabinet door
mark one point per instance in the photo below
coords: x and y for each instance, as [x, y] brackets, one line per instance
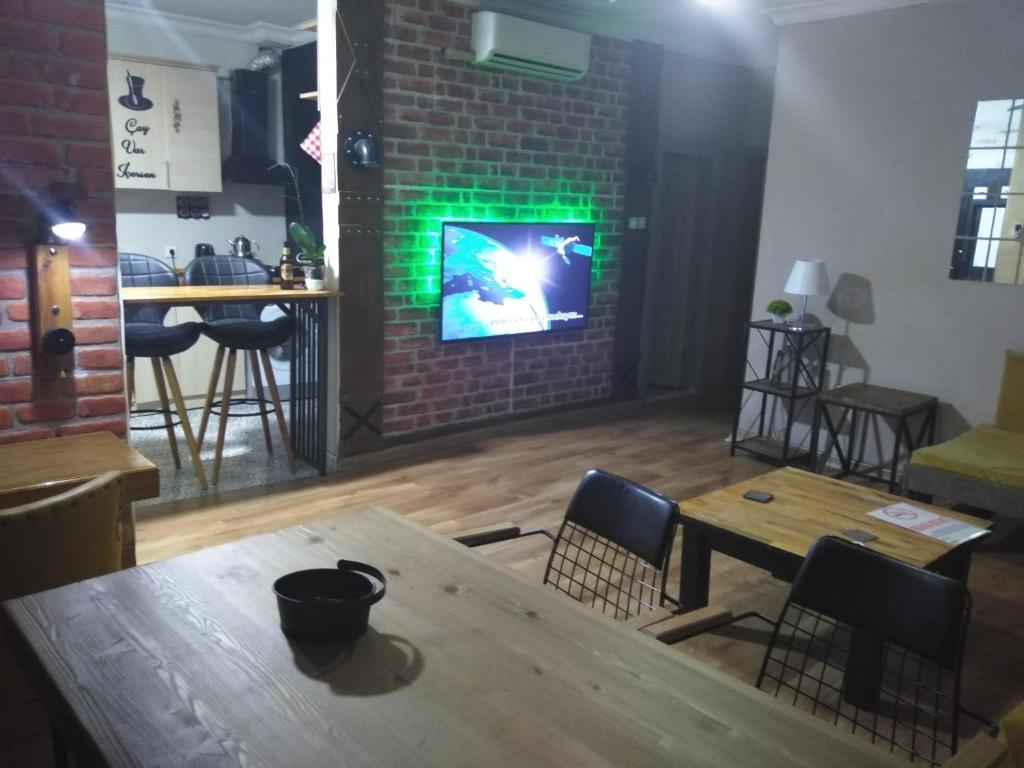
[137, 124]
[165, 126]
[193, 133]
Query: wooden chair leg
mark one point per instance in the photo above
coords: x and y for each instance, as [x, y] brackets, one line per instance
[225, 405]
[281, 423]
[257, 381]
[161, 390]
[211, 390]
[186, 427]
[131, 381]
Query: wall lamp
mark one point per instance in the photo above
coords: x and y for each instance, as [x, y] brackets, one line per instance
[60, 223]
[53, 340]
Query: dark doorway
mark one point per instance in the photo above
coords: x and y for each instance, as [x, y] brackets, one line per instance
[708, 221]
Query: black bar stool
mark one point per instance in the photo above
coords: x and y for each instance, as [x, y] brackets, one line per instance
[238, 327]
[145, 335]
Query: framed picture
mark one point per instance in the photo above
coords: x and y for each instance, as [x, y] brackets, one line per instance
[783, 368]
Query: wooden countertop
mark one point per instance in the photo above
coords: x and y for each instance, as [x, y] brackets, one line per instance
[185, 295]
[466, 663]
[39, 468]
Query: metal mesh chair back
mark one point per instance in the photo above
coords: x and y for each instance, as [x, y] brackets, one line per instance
[139, 270]
[873, 645]
[612, 550]
[227, 270]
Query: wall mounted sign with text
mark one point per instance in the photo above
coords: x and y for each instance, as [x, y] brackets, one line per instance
[164, 125]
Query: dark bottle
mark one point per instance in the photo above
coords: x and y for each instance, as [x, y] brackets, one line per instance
[287, 268]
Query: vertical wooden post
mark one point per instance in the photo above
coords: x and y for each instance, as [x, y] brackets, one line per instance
[360, 33]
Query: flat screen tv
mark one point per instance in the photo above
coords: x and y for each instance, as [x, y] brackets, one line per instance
[503, 279]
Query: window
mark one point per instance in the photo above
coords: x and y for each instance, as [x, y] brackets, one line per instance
[988, 244]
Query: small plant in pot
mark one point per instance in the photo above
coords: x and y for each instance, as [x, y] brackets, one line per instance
[779, 309]
[309, 254]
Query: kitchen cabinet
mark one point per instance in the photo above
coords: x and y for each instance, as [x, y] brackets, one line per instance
[164, 124]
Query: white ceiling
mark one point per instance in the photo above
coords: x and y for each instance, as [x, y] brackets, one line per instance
[284, 13]
[626, 17]
[738, 31]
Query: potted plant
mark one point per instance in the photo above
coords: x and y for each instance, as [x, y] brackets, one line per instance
[778, 309]
[309, 254]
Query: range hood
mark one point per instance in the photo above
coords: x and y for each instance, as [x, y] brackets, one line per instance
[250, 161]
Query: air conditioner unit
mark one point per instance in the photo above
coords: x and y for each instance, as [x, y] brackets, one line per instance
[505, 42]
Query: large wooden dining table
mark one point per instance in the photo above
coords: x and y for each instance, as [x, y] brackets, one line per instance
[466, 663]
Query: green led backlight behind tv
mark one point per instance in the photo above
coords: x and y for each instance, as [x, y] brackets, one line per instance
[415, 216]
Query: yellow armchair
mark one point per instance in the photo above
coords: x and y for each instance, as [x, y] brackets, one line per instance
[65, 538]
[984, 466]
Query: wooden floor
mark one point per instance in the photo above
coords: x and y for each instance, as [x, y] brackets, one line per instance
[525, 472]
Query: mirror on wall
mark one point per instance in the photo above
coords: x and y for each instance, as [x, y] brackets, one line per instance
[990, 228]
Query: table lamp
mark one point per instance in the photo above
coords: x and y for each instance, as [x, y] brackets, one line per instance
[808, 278]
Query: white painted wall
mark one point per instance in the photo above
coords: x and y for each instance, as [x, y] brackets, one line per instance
[871, 123]
[147, 222]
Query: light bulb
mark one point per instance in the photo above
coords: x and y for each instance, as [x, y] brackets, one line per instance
[68, 230]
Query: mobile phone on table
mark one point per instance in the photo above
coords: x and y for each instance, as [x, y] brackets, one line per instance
[762, 496]
[861, 537]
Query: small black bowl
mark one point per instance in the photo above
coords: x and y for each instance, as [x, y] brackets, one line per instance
[324, 604]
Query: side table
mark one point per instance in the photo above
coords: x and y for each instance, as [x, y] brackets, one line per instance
[896, 406]
[793, 373]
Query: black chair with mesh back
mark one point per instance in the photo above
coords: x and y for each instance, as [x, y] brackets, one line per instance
[145, 335]
[875, 645]
[613, 548]
[237, 327]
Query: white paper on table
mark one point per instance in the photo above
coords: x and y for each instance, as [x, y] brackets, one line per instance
[936, 526]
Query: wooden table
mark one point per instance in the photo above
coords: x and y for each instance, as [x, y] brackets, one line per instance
[40, 468]
[897, 406]
[776, 536]
[466, 663]
[308, 367]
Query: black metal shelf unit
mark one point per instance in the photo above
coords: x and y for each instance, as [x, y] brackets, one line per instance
[794, 370]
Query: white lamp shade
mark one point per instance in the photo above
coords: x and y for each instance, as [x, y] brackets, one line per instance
[808, 278]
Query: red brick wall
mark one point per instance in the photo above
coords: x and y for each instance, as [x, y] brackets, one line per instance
[467, 143]
[54, 127]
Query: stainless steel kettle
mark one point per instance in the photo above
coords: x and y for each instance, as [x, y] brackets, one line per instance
[242, 246]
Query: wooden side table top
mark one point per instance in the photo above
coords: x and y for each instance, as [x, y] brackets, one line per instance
[38, 468]
[883, 400]
[186, 295]
[466, 663]
[807, 506]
